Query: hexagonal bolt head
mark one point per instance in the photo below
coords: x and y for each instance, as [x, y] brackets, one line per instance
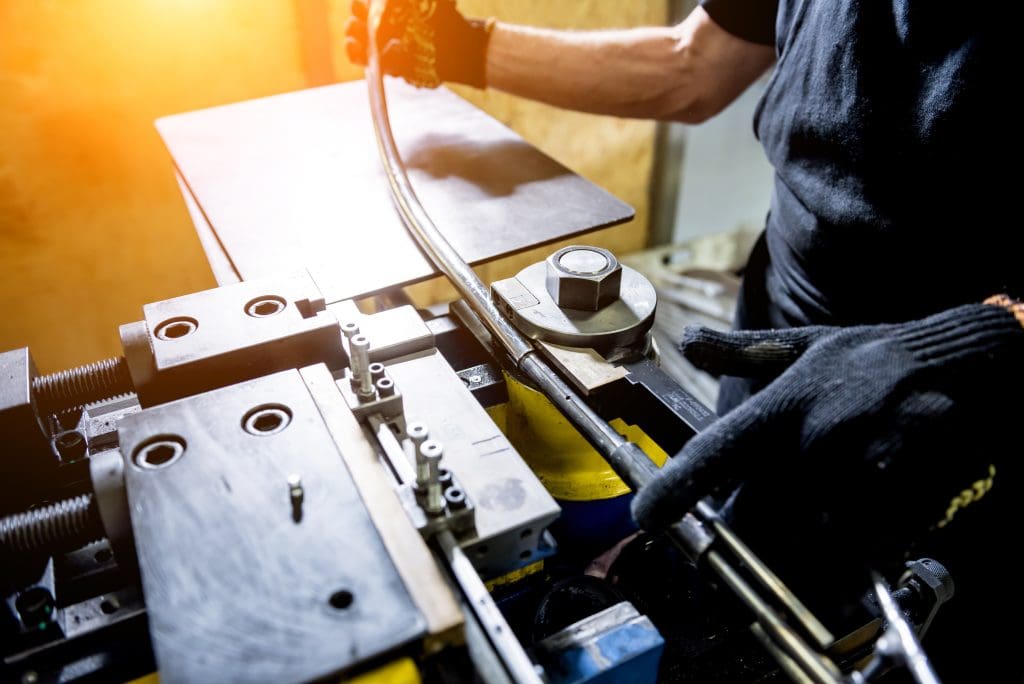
[584, 278]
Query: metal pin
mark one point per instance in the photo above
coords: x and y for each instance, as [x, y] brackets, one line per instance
[296, 493]
[385, 387]
[431, 452]
[418, 433]
[455, 497]
[350, 329]
[376, 370]
[359, 351]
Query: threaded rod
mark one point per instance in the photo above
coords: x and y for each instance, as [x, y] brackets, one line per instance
[77, 387]
[58, 527]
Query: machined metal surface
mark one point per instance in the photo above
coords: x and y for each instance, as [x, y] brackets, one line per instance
[512, 506]
[106, 471]
[217, 337]
[414, 561]
[292, 182]
[585, 278]
[234, 582]
[393, 332]
[527, 300]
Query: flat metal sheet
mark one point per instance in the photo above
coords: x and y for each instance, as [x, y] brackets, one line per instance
[293, 181]
[237, 587]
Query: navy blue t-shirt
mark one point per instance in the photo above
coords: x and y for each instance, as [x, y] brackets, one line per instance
[887, 123]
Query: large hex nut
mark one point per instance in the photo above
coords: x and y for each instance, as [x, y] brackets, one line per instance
[584, 278]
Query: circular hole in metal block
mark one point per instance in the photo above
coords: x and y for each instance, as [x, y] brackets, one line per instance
[341, 599]
[176, 328]
[109, 606]
[268, 419]
[103, 555]
[350, 329]
[525, 533]
[385, 384]
[526, 554]
[265, 305]
[159, 452]
[444, 476]
[376, 368]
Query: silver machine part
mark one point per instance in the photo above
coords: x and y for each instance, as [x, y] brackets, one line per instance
[583, 278]
[431, 452]
[584, 261]
[623, 322]
[106, 470]
[359, 351]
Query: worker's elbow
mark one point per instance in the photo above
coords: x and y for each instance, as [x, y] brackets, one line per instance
[693, 98]
[694, 110]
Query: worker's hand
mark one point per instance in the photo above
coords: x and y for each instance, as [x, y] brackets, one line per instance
[864, 426]
[426, 42]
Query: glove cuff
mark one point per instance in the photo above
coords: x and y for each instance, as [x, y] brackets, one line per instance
[1014, 306]
[465, 61]
[963, 334]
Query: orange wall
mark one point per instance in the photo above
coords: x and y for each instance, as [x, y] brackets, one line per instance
[92, 225]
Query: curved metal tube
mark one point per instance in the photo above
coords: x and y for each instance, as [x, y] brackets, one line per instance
[597, 431]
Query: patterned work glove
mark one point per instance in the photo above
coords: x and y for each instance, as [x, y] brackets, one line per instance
[426, 42]
[868, 435]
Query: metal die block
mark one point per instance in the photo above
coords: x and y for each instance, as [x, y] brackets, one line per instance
[258, 559]
[512, 507]
[393, 332]
[615, 645]
[229, 334]
[99, 421]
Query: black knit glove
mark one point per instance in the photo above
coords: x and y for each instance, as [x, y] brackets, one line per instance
[867, 431]
[426, 42]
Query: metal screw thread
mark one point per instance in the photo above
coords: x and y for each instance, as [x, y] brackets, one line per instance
[61, 526]
[76, 387]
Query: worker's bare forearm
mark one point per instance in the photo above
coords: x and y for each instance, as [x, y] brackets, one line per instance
[686, 72]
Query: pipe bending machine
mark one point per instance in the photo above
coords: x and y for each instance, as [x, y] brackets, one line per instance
[275, 482]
